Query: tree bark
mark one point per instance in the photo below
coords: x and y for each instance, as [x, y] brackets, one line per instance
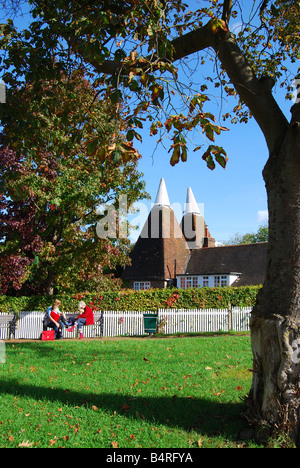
[50, 282]
[274, 403]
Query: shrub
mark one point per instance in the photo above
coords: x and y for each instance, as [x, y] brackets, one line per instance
[153, 299]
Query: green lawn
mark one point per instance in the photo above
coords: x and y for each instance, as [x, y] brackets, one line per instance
[162, 393]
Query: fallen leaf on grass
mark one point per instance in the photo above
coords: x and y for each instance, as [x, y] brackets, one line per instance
[239, 388]
[125, 407]
[53, 441]
[26, 444]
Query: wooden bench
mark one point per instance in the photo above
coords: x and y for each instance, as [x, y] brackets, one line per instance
[98, 319]
[9, 321]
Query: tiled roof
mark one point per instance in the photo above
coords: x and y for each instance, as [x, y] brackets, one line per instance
[248, 260]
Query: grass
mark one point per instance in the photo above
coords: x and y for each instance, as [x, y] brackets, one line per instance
[130, 393]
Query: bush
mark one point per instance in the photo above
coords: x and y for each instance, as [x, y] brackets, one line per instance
[153, 299]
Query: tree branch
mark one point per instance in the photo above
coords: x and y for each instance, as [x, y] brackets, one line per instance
[227, 7]
[257, 94]
[183, 46]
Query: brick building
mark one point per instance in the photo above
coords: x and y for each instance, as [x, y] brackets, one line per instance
[185, 255]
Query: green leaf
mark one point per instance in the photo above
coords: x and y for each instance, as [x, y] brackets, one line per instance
[116, 157]
[175, 156]
[216, 152]
[92, 146]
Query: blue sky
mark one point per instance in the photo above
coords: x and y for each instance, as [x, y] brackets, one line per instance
[232, 198]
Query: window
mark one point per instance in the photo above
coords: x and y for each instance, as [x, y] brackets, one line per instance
[217, 281]
[221, 281]
[141, 285]
[224, 281]
[205, 281]
[187, 282]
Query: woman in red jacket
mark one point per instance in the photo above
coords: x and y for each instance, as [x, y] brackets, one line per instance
[86, 317]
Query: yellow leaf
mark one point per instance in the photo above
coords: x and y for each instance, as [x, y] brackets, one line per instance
[53, 441]
[26, 444]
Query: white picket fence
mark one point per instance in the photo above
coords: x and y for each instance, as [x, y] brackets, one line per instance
[131, 323]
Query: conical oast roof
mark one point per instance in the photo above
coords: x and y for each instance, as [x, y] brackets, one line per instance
[193, 224]
[162, 197]
[161, 251]
[191, 205]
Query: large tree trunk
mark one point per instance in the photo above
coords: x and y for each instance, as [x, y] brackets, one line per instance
[274, 403]
[49, 286]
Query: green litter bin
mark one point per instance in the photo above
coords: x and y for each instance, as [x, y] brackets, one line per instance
[150, 323]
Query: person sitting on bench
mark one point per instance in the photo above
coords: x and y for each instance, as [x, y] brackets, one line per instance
[86, 317]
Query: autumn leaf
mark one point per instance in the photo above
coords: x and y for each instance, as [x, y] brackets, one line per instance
[239, 388]
[26, 444]
[217, 24]
[114, 444]
[219, 154]
[53, 441]
[125, 407]
[175, 156]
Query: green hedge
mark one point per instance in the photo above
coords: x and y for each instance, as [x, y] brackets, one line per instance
[141, 300]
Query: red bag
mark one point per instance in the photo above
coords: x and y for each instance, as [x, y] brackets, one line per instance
[48, 335]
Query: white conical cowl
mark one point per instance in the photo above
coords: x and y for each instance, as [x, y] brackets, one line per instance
[191, 206]
[162, 197]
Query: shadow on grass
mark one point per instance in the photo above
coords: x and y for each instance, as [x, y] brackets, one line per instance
[203, 415]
